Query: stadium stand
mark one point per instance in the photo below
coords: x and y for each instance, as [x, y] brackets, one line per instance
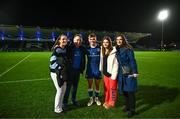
[25, 38]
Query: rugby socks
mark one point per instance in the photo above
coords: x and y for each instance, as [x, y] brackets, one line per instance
[97, 93]
[90, 92]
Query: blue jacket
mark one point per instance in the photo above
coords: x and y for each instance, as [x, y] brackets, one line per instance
[125, 56]
[71, 53]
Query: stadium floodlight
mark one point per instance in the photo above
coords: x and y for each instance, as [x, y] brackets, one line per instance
[2, 37]
[38, 33]
[21, 32]
[69, 36]
[53, 34]
[2, 34]
[162, 16]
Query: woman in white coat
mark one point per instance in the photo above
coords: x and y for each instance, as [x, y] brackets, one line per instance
[109, 67]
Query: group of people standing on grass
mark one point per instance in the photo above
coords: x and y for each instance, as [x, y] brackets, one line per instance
[116, 63]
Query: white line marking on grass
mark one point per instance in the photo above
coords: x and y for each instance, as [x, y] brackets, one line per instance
[142, 107]
[15, 65]
[146, 57]
[20, 81]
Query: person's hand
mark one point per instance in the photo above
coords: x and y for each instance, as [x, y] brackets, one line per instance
[135, 75]
[59, 68]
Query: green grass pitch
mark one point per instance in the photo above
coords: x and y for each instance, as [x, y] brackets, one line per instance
[26, 90]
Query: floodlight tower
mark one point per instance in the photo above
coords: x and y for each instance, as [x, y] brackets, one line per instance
[162, 16]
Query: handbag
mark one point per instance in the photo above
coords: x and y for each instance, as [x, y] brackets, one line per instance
[126, 70]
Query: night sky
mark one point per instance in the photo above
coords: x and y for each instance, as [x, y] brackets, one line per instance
[112, 15]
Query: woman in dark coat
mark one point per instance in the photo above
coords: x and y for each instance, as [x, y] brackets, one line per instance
[127, 73]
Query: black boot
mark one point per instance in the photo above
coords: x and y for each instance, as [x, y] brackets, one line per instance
[132, 103]
[131, 114]
[127, 107]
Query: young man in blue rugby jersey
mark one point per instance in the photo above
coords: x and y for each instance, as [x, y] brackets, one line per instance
[92, 72]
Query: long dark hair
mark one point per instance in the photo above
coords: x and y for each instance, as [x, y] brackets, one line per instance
[124, 42]
[110, 47]
[57, 41]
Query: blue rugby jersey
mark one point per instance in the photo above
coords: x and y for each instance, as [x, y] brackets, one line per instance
[93, 55]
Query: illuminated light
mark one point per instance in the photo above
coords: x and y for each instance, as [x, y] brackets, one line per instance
[2, 35]
[21, 33]
[38, 33]
[53, 35]
[163, 15]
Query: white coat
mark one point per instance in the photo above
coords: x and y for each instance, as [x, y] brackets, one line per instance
[112, 64]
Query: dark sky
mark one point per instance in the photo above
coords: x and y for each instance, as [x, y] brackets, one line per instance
[112, 15]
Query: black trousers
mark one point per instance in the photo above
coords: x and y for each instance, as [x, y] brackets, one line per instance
[73, 81]
[130, 100]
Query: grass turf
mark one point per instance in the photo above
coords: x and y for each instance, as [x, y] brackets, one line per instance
[158, 90]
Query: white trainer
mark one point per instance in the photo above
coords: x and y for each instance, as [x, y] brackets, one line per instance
[58, 110]
[97, 101]
[90, 101]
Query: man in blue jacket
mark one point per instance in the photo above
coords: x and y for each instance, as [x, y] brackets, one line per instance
[77, 56]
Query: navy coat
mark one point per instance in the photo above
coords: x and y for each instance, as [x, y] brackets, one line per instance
[125, 56]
